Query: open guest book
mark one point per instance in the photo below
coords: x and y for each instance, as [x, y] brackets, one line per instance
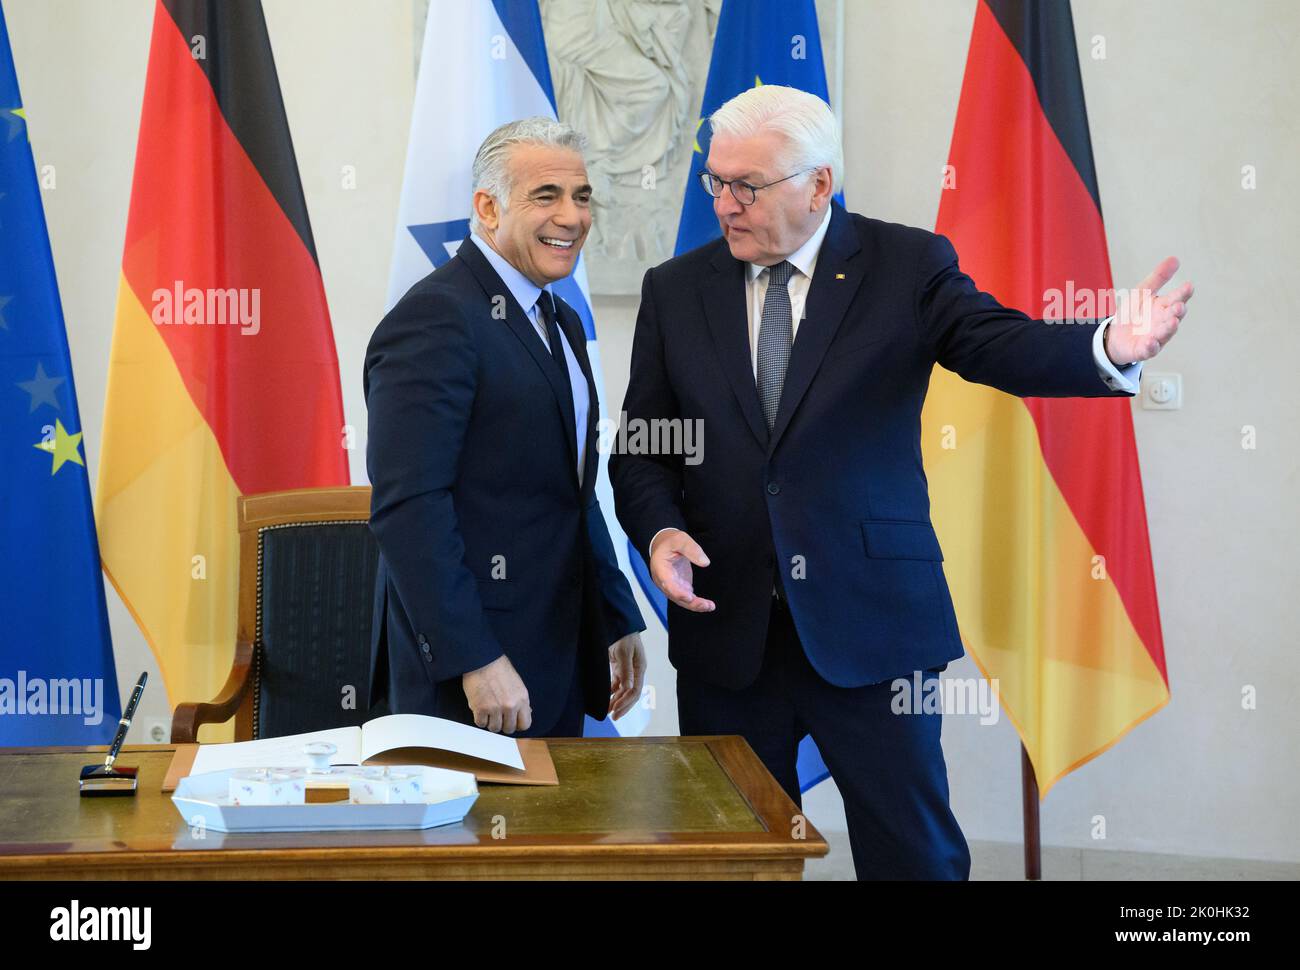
[398, 739]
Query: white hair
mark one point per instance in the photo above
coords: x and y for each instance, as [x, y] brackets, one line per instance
[806, 121]
[491, 171]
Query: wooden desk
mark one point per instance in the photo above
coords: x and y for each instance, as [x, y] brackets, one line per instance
[625, 808]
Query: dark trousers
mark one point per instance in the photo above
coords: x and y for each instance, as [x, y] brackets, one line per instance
[889, 767]
[450, 703]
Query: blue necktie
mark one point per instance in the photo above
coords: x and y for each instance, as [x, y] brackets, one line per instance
[775, 337]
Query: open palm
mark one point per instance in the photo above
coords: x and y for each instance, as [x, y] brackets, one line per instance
[1144, 320]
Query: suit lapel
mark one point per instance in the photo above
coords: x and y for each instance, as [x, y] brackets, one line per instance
[836, 278]
[522, 328]
[724, 295]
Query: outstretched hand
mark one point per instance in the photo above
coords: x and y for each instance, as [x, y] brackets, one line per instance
[1144, 320]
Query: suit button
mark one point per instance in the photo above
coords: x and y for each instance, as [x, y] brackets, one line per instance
[773, 488]
[421, 639]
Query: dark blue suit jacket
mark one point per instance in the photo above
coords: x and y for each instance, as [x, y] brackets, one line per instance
[838, 481]
[487, 544]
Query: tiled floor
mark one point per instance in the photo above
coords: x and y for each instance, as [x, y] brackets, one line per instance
[1005, 860]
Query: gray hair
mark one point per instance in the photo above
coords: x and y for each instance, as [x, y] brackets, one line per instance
[491, 172]
[804, 119]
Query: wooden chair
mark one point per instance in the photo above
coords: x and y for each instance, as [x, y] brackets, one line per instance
[306, 588]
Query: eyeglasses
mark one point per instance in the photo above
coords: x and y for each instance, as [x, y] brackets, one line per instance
[742, 192]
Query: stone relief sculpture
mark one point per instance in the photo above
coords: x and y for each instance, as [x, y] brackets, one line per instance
[630, 74]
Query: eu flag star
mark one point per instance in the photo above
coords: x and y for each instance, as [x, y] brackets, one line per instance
[42, 388]
[17, 118]
[63, 447]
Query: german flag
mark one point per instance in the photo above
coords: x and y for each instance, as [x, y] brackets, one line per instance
[223, 379]
[1038, 502]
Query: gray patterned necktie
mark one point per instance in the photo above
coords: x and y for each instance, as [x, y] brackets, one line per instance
[775, 337]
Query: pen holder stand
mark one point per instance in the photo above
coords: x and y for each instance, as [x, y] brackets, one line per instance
[99, 780]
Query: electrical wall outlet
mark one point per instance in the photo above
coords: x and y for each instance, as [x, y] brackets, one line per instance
[157, 730]
[1162, 392]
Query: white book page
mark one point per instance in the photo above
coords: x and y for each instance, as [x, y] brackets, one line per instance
[285, 752]
[421, 731]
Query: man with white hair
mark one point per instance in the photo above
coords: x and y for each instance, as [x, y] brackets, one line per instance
[801, 568]
[498, 601]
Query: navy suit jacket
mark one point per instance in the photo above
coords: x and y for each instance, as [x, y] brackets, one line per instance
[838, 482]
[487, 543]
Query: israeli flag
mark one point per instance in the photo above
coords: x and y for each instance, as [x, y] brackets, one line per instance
[483, 64]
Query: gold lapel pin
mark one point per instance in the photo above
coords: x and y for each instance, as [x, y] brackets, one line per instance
[839, 276]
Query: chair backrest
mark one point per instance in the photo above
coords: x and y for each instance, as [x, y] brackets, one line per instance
[306, 591]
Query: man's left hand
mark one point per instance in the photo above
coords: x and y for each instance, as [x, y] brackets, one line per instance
[626, 674]
[1144, 320]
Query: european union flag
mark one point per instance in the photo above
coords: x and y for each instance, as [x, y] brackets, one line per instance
[58, 684]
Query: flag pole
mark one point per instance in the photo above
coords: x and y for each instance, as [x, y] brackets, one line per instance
[1033, 840]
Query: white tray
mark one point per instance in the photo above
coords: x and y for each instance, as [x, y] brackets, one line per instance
[206, 797]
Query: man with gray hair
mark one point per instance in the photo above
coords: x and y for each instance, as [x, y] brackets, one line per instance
[802, 571]
[499, 601]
